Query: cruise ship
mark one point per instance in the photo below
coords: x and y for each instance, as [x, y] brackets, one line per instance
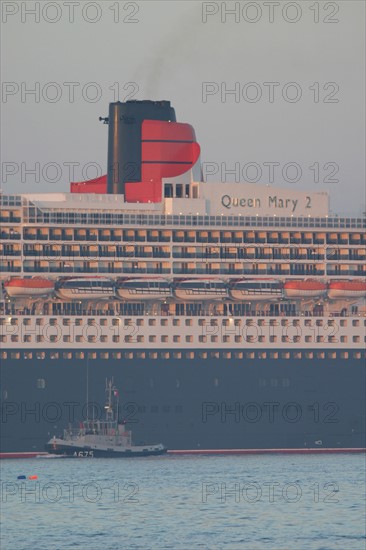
[231, 316]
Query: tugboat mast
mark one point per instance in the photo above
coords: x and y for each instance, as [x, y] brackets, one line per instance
[111, 392]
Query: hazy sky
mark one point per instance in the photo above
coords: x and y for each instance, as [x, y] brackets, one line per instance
[169, 52]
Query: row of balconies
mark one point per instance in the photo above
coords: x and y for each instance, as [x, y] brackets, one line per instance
[182, 252]
[191, 237]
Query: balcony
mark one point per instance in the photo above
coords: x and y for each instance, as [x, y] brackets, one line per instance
[10, 269]
[11, 235]
[10, 253]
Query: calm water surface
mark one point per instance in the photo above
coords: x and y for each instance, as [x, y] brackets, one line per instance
[250, 502]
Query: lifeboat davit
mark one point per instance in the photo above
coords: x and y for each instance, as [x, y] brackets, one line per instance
[86, 288]
[346, 289]
[255, 290]
[143, 289]
[304, 289]
[28, 287]
[200, 289]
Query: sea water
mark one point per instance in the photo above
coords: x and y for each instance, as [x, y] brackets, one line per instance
[185, 502]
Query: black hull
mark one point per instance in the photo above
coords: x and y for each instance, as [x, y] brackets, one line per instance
[81, 452]
[191, 404]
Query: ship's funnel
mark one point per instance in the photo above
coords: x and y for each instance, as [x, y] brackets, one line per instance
[145, 146]
[125, 139]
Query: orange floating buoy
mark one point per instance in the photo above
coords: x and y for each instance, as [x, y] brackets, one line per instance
[32, 477]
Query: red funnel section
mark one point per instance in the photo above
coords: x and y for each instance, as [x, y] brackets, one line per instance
[168, 149]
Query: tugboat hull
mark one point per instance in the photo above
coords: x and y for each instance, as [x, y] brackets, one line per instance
[81, 452]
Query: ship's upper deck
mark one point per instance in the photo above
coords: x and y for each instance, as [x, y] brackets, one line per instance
[225, 211]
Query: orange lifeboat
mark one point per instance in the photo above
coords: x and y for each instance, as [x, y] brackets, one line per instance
[28, 287]
[346, 289]
[304, 289]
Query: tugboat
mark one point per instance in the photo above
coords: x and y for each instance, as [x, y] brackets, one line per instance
[107, 438]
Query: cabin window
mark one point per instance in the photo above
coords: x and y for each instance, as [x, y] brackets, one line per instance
[168, 190]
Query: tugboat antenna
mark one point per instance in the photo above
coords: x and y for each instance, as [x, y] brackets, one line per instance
[87, 389]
